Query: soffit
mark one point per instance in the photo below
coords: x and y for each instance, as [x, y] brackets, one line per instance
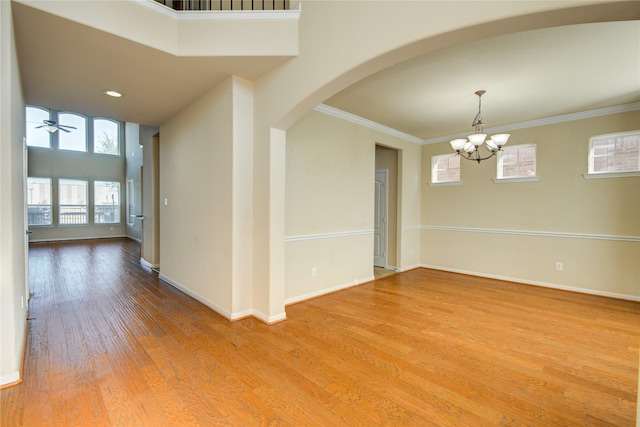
[66, 65]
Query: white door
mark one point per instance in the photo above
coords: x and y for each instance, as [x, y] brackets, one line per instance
[380, 220]
[25, 173]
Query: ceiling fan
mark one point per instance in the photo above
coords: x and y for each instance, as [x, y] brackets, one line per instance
[51, 126]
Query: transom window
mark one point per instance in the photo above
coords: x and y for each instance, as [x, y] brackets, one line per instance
[614, 153]
[445, 169]
[36, 135]
[72, 139]
[39, 201]
[106, 202]
[98, 135]
[106, 137]
[517, 162]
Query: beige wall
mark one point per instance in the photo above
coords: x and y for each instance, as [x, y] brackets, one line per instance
[330, 199]
[195, 224]
[13, 291]
[205, 227]
[524, 225]
[133, 154]
[150, 247]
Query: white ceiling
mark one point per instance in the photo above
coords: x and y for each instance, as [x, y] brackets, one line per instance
[527, 76]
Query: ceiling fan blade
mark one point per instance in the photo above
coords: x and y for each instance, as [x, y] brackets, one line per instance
[38, 127]
[63, 129]
[67, 126]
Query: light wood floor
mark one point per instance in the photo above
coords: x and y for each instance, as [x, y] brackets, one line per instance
[110, 344]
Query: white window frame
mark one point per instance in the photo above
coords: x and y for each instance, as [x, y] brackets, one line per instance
[38, 205]
[95, 136]
[60, 205]
[98, 217]
[31, 127]
[434, 170]
[500, 166]
[609, 174]
[85, 131]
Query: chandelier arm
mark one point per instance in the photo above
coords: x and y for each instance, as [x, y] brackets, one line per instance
[477, 157]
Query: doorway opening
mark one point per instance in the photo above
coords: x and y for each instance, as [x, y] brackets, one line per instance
[385, 211]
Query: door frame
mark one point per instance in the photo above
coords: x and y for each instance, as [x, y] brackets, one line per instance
[383, 207]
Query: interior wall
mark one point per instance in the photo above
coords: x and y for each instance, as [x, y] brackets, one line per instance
[242, 182]
[134, 161]
[13, 298]
[387, 158]
[519, 230]
[196, 167]
[329, 202]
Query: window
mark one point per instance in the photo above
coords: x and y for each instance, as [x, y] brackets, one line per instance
[72, 199]
[106, 137]
[73, 139]
[445, 169]
[131, 202]
[39, 201]
[107, 202]
[36, 136]
[614, 153]
[517, 162]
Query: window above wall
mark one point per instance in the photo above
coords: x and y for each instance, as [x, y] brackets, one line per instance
[72, 132]
[445, 170]
[37, 137]
[74, 139]
[517, 163]
[106, 137]
[614, 155]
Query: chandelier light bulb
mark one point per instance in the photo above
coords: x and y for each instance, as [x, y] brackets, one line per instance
[466, 147]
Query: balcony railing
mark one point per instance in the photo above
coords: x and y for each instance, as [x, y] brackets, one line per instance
[73, 214]
[107, 214]
[39, 214]
[226, 4]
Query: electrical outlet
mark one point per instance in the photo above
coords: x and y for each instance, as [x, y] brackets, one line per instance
[314, 272]
[559, 266]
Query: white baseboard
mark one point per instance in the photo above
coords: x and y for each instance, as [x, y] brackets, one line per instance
[215, 307]
[411, 267]
[9, 378]
[65, 239]
[326, 291]
[221, 311]
[148, 265]
[269, 319]
[536, 283]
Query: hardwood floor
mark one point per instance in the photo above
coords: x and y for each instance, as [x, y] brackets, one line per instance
[111, 345]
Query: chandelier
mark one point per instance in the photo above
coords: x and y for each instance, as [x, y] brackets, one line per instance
[470, 148]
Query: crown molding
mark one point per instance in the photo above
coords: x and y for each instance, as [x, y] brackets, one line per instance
[335, 112]
[340, 114]
[544, 121]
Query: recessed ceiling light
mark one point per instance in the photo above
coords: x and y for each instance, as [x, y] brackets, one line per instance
[113, 93]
